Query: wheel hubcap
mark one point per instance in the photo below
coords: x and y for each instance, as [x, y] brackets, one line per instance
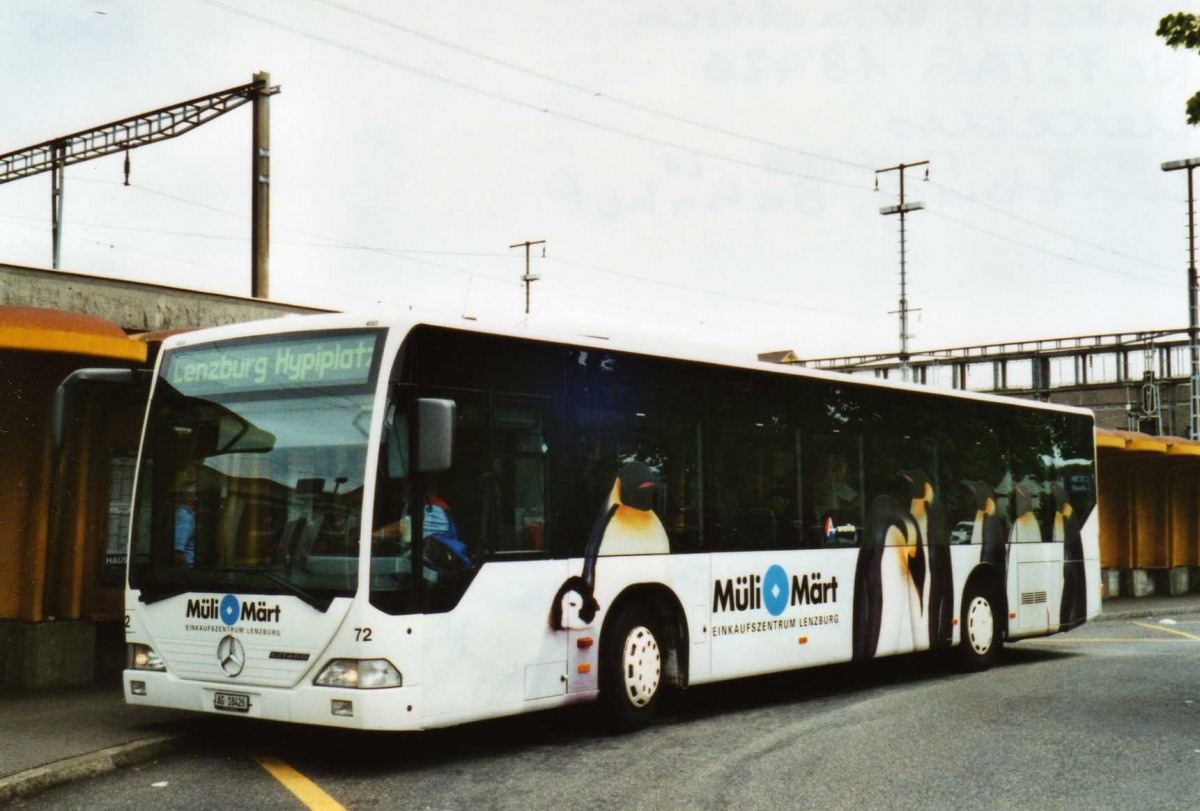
[980, 625]
[641, 665]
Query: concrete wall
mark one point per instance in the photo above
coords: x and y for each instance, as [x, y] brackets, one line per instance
[134, 306]
[41, 655]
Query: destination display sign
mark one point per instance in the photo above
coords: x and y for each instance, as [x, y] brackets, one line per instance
[341, 359]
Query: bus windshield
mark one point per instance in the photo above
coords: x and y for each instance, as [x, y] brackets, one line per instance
[252, 468]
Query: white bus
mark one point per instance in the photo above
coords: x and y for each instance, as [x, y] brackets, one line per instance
[390, 524]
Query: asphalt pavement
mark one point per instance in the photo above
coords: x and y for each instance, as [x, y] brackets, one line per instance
[53, 736]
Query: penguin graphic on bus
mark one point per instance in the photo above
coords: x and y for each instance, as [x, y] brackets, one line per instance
[890, 583]
[1073, 609]
[990, 531]
[929, 513]
[904, 585]
[626, 525]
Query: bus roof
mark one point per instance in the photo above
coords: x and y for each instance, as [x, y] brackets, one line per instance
[674, 345]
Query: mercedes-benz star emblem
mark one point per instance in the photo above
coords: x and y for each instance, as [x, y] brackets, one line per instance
[231, 656]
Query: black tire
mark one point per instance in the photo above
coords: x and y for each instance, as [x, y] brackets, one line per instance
[981, 638]
[632, 653]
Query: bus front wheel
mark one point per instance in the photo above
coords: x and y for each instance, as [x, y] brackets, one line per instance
[631, 669]
[980, 642]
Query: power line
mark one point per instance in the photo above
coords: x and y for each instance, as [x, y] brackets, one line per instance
[140, 229]
[339, 244]
[1047, 229]
[597, 125]
[704, 291]
[232, 238]
[425, 74]
[1046, 251]
[626, 308]
[587, 91]
[110, 245]
[725, 295]
[398, 253]
[598, 94]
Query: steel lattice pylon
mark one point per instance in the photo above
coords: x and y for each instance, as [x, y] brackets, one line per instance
[150, 127]
[128, 133]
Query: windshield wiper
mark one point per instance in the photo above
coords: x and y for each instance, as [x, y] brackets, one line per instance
[307, 596]
[153, 594]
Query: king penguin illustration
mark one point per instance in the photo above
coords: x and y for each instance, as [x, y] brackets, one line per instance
[1066, 531]
[626, 525]
[1026, 529]
[991, 528]
[930, 515]
[889, 582]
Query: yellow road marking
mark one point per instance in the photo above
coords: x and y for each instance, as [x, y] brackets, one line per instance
[305, 790]
[1165, 629]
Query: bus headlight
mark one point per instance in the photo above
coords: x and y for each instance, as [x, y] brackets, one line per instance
[144, 657]
[359, 674]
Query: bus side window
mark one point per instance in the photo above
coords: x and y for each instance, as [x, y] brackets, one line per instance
[754, 455]
[514, 491]
[632, 410]
[834, 515]
[1033, 454]
[976, 473]
[834, 471]
[393, 520]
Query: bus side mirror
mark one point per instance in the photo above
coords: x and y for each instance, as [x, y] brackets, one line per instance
[436, 418]
[65, 399]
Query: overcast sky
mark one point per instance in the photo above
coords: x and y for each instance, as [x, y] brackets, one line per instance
[695, 168]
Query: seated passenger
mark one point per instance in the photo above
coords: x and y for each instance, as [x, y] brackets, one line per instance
[185, 526]
[438, 525]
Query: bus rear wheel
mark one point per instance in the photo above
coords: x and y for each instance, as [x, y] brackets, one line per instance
[980, 643]
[631, 669]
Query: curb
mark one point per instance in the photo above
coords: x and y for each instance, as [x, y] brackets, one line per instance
[38, 779]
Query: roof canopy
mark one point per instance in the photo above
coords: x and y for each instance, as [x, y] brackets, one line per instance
[1134, 442]
[35, 329]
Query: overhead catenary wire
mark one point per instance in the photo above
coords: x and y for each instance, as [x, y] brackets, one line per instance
[17, 220]
[588, 91]
[613, 99]
[723, 294]
[339, 244]
[1046, 228]
[400, 252]
[539, 108]
[1047, 251]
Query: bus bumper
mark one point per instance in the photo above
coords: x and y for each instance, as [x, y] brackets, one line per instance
[395, 708]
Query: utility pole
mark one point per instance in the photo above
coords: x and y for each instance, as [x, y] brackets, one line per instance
[1193, 345]
[529, 278]
[58, 151]
[55, 155]
[260, 199]
[902, 209]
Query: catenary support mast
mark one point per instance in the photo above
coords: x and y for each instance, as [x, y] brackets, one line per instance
[902, 209]
[147, 128]
[1193, 297]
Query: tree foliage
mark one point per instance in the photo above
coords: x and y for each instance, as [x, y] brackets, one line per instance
[1183, 31]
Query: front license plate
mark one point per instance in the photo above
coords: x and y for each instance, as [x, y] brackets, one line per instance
[231, 702]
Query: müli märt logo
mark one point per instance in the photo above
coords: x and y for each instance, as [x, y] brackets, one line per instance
[229, 610]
